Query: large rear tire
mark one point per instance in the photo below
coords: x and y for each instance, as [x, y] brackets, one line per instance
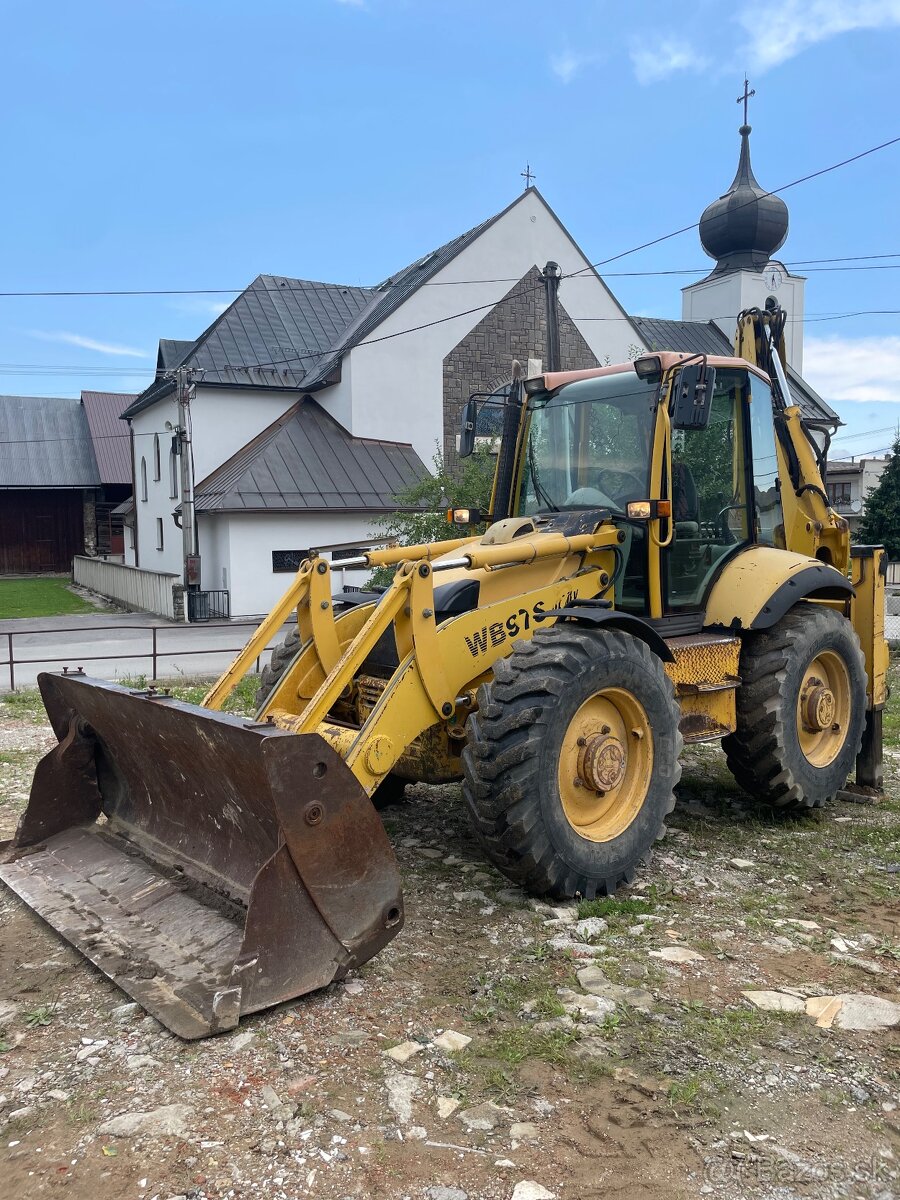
[801, 709]
[572, 760]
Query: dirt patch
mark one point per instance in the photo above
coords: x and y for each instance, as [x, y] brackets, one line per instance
[696, 1093]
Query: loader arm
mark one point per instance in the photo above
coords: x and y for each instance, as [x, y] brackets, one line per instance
[812, 527]
[439, 664]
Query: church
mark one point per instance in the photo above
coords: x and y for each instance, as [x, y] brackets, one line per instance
[316, 404]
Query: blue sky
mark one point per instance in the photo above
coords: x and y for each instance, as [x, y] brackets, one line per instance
[156, 144]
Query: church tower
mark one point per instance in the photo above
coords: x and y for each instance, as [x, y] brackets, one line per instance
[742, 230]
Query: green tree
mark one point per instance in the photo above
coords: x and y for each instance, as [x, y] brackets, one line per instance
[880, 523]
[469, 486]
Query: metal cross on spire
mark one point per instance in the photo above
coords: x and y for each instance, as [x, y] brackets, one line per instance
[745, 98]
[527, 176]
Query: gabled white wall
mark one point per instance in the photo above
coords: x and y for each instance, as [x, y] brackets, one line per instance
[721, 298]
[223, 421]
[394, 389]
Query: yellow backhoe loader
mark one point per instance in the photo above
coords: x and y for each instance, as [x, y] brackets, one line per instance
[662, 566]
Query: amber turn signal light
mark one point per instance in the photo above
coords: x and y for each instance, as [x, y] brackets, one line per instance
[648, 510]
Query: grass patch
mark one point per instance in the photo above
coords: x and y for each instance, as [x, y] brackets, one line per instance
[514, 1046]
[891, 718]
[42, 1015]
[612, 906]
[40, 596]
[25, 704]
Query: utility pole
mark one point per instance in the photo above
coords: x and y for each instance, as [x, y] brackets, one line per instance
[185, 392]
[552, 274]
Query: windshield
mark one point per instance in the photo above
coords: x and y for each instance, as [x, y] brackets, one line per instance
[588, 445]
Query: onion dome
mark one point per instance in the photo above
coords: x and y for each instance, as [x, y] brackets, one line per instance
[743, 228]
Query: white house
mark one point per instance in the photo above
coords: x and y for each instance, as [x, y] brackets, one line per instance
[849, 483]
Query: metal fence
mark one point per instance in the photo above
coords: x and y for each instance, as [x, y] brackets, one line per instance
[153, 654]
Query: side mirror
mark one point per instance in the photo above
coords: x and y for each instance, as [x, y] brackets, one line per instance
[692, 403]
[467, 433]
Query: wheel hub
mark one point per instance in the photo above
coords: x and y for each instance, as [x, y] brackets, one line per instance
[818, 706]
[605, 764]
[602, 762]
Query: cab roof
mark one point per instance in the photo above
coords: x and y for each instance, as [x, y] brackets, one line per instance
[551, 380]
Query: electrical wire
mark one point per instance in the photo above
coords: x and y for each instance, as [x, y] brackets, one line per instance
[775, 191]
[514, 295]
[234, 291]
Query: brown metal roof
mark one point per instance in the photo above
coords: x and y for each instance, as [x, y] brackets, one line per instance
[110, 437]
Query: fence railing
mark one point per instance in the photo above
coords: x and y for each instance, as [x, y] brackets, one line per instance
[893, 574]
[152, 654]
[150, 591]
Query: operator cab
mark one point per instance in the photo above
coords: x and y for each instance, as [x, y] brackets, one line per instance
[694, 432]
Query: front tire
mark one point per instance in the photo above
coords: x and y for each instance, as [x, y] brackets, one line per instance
[801, 708]
[572, 760]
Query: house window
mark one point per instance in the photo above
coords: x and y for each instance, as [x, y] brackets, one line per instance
[284, 561]
[839, 492]
[159, 533]
[337, 555]
[157, 468]
[143, 479]
[173, 474]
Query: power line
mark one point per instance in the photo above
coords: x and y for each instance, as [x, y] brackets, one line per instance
[775, 191]
[231, 291]
[59, 369]
[614, 258]
[846, 437]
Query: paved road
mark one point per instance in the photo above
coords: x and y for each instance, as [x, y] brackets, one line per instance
[89, 641]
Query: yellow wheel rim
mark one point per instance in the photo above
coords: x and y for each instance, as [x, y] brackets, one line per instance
[605, 765]
[823, 708]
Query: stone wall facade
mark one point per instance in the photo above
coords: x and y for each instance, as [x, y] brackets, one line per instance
[515, 328]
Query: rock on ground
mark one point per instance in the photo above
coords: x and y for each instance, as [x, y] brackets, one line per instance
[400, 1090]
[486, 1116]
[529, 1190]
[677, 954]
[769, 1001]
[170, 1120]
[451, 1040]
[404, 1052]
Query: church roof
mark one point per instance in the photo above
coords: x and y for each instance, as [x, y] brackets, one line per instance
[705, 337]
[747, 224]
[292, 333]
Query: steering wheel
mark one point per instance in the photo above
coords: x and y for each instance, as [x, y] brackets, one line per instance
[726, 534]
[619, 493]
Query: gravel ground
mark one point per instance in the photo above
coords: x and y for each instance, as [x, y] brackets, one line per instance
[501, 1049]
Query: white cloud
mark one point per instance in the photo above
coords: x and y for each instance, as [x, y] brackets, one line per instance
[862, 369]
[655, 62]
[791, 26]
[200, 307]
[86, 343]
[566, 65]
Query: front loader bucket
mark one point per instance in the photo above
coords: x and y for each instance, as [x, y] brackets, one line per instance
[210, 866]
